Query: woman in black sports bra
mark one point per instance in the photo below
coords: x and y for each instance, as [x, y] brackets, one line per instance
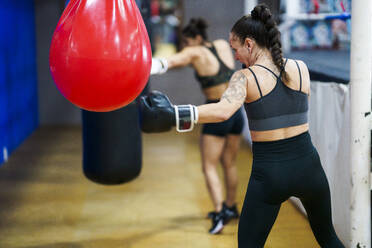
[213, 63]
[275, 94]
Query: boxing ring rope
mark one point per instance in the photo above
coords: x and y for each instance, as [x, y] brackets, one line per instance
[319, 16]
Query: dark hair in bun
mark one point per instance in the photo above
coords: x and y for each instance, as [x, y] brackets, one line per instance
[261, 26]
[196, 26]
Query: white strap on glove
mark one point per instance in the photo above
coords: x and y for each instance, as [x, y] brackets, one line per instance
[186, 117]
[159, 66]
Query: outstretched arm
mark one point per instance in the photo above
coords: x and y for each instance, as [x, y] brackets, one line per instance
[232, 99]
[180, 59]
[158, 114]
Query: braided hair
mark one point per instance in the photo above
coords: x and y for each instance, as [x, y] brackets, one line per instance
[196, 26]
[261, 26]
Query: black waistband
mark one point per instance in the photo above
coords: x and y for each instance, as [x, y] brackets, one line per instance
[283, 149]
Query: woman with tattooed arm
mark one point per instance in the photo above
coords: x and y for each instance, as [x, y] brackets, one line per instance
[275, 93]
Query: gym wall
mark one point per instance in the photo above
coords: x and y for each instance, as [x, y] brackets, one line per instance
[54, 109]
[18, 75]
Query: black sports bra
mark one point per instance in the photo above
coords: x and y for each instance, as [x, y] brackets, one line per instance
[282, 107]
[223, 75]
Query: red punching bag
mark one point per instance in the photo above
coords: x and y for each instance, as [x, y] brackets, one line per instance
[100, 56]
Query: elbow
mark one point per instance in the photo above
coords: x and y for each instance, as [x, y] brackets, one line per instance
[223, 116]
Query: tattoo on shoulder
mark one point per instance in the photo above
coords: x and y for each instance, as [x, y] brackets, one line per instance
[237, 90]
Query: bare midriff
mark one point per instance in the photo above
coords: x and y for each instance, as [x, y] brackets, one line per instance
[215, 92]
[278, 134]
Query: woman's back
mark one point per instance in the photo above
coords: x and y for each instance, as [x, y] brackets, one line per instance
[212, 62]
[287, 119]
[207, 64]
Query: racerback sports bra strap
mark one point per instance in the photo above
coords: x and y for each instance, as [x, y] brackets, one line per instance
[267, 69]
[255, 78]
[299, 71]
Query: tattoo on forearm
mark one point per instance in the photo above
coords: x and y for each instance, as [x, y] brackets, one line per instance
[237, 90]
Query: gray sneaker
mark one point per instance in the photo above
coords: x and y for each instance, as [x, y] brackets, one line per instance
[217, 223]
[229, 212]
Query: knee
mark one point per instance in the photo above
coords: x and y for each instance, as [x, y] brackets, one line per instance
[209, 167]
[227, 162]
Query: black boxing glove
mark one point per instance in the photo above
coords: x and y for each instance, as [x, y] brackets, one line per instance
[157, 114]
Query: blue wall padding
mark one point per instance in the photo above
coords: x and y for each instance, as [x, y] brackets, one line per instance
[18, 77]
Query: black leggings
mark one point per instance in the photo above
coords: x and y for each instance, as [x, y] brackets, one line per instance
[281, 169]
